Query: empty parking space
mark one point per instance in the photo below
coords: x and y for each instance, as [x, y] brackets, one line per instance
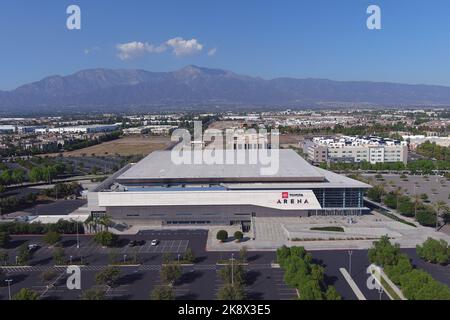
[281, 289]
[164, 246]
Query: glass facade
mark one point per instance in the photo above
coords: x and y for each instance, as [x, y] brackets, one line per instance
[340, 198]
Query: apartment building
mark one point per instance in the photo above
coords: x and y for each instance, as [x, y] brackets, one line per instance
[357, 149]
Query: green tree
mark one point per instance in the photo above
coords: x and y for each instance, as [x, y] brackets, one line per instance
[426, 216]
[238, 272]
[238, 235]
[162, 293]
[310, 290]
[231, 292]
[170, 273]
[4, 257]
[52, 237]
[106, 239]
[93, 294]
[59, 256]
[222, 235]
[18, 176]
[397, 271]
[243, 254]
[26, 294]
[108, 276]
[24, 255]
[434, 251]
[383, 253]
[332, 294]
[189, 256]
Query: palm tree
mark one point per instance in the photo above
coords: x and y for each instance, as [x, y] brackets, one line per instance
[105, 221]
[416, 204]
[398, 193]
[440, 207]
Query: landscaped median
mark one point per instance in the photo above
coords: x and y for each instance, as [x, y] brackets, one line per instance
[392, 291]
[415, 284]
[304, 275]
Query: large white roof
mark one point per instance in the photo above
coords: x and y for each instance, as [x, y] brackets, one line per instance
[159, 167]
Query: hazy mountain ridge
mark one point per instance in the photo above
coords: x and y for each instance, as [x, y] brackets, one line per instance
[107, 90]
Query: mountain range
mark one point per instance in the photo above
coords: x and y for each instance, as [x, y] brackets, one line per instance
[193, 87]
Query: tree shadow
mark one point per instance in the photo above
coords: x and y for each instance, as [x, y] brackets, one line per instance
[329, 280]
[68, 243]
[13, 244]
[255, 296]
[189, 277]
[253, 257]
[200, 259]
[43, 261]
[130, 278]
[251, 277]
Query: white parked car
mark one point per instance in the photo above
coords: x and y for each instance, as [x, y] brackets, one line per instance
[32, 247]
[154, 242]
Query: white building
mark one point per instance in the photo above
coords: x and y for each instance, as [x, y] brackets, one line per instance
[86, 129]
[358, 149]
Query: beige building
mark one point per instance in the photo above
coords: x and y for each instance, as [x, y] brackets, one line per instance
[351, 149]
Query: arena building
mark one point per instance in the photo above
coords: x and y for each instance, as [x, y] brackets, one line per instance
[157, 191]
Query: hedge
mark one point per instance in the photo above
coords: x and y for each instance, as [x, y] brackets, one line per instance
[21, 228]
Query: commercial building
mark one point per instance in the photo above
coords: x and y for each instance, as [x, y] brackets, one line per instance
[357, 149]
[417, 140]
[158, 191]
[95, 128]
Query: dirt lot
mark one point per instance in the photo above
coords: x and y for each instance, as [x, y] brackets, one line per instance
[125, 146]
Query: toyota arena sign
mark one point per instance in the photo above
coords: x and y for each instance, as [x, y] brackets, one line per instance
[292, 198]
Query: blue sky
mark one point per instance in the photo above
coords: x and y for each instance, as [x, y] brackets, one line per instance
[266, 38]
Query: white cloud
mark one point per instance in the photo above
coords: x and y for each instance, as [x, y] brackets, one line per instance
[182, 47]
[179, 46]
[135, 49]
[212, 52]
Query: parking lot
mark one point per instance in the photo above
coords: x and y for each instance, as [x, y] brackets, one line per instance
[435, 187]
[199, 281]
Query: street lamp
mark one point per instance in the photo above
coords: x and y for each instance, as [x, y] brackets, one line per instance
[178, 258]
[124, 258]
[17, 260]
[350, 252]
[78, 238]
[380, 290]
[9, 287]
[232, 269]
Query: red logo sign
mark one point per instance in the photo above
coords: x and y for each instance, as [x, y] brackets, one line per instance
[285, 195]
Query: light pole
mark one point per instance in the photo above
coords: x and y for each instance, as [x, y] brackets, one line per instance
[17, 260]
[124, 258]
[78, 238]
[380, 290]
[9, 287]
[232, 269]
[350, 252]
[178, 258]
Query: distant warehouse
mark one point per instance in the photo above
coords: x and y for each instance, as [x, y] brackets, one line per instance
[157, 191]
[95, 128]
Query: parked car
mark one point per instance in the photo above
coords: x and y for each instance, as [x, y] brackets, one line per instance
[136, 243]
[154, 242]
[33, 247]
